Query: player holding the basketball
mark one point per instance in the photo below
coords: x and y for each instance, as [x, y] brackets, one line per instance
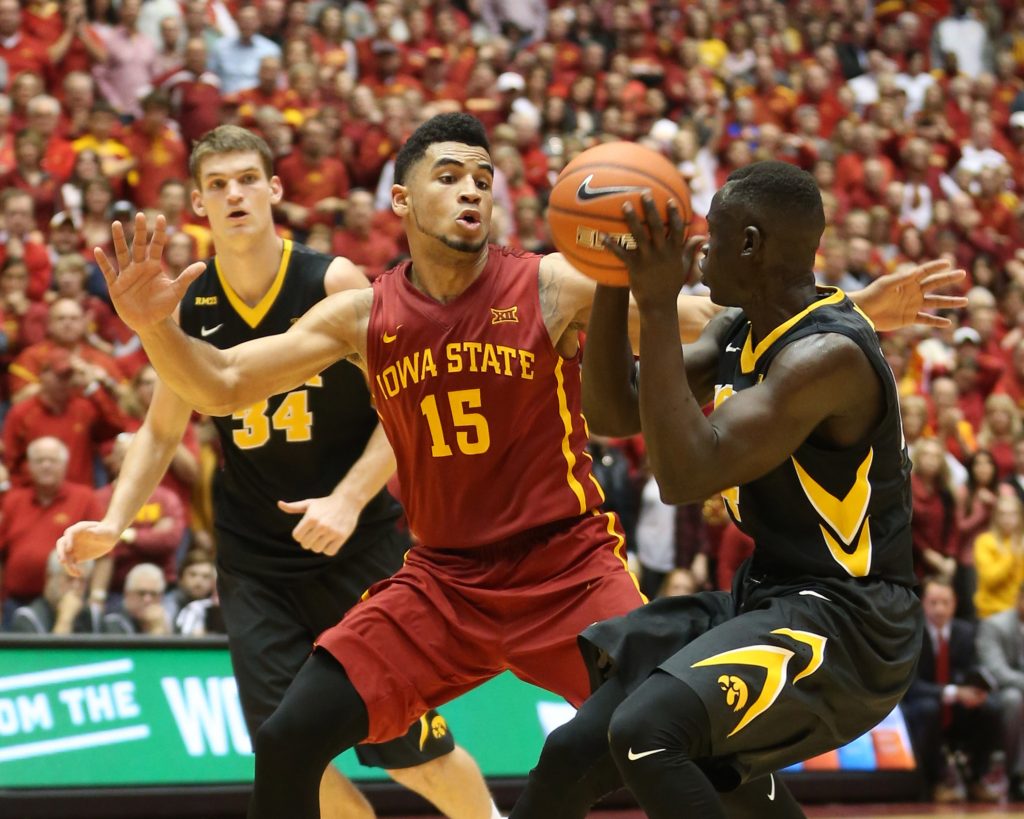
[473, 361]
[816, 643]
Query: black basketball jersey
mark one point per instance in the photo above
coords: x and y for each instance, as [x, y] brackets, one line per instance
[294, 445]
[825, 512]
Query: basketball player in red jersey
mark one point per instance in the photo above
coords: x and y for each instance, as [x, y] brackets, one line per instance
[472, 356]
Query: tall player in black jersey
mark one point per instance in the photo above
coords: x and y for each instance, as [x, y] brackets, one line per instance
[316, 451]
[704, 696]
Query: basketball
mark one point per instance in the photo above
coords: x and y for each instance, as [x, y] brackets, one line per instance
[586, 204]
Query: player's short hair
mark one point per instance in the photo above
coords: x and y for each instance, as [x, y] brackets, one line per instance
[229, 139]
[452, 127]
[778, 192]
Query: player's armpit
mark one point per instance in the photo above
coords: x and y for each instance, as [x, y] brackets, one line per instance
[342, 274]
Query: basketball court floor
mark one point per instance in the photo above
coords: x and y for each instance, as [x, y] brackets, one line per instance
[901, 811]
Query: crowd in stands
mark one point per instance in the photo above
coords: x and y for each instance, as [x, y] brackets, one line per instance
[909, 114]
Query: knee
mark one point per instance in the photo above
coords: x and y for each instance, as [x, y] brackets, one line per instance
[422, 778]
[275, 739]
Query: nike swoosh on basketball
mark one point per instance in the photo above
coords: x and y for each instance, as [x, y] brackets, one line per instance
[209, 331]
[729, 348]
[634, 757]
[584, 193]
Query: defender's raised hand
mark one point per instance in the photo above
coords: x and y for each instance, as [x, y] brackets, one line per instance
[910, 296]
[142, 291]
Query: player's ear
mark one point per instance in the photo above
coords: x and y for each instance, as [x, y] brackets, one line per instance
[752, 240]
[400, 200]
[276, 190]
[197, 203]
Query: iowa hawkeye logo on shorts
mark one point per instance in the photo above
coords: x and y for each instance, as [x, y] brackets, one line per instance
[774, 660]
[435, 727]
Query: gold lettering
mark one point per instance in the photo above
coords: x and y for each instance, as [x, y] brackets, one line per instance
[408, 370]
[454, 357]
[472, 347]
[206, 301]
[526, 362]
[428, 365]
[391, 381]
[507, 353]
[490, 360]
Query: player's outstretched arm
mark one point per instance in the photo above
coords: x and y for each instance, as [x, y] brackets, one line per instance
[148, 456]
[219, 382]
[911, 296]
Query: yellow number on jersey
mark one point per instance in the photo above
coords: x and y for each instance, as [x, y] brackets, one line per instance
[292, 416]
[472, 435]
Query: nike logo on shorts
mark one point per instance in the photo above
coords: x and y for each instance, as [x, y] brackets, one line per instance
[634, 757]
[729, 348]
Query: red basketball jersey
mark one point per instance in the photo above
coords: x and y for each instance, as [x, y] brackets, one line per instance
[482, 411]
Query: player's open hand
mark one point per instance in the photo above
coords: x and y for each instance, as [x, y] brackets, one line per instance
[326, 522]
[84, 541]
[142, 292]
[912, 296]
[661, 262]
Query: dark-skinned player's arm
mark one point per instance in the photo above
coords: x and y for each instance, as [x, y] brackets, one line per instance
[754, 431]
[219, 382]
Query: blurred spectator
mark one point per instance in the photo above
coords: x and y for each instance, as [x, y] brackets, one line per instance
[102, 136]
[961, 43]
[999, 430]
[612, 470]
[131, 61]
[23, 319]
[33, 517]
[167, 37]
[152, 538]
[70, 405]
[104, 330]
[197, 580]
[934, 520]
[315, 182]
[371, 249]
[78, 45]
[18, 51]
[61, 609]
[194, 92]
[236, 59]
[201, 617]
[29, 176]
[976, 500]
[67, 329]
[173, 204]
[1001, 652]
[44, 118]
[734, 548]
[948, 706]
[999, 558]
[142, 610]
[655, 544]
[20, 240]
[678, 582]
[158, 149]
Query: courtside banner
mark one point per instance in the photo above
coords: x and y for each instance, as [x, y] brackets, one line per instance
[166, 711]
[109, 712]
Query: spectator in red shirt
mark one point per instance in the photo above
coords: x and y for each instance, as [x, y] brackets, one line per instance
[104, 330]
[315, 182]
[358, 242]
[33, 517]
[153, 537]
[21, 240]
[22, 318]
[68, 330]
[18, 50]
[850, 166]
[194, 92]
[934, 524]
[29, 176]
[160, 152]
[44, 119]
[72, 405]
[78, 45]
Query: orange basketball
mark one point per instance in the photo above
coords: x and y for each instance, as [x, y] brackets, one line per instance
[586, 203]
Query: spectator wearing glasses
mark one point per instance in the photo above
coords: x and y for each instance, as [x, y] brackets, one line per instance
[142, 609]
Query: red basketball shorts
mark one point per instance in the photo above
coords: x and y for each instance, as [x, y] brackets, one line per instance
[450, 620]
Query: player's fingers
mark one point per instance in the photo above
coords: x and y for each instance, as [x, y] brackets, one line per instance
[156, 244]
[616, 249]
[922, 271]
[936, 302]
[187, 276]
[675, 221]
[928, 320]
[139, 239]
[936, 281]
[293, 507]
[633, 223]
[106, 268]
[655, 224]
[333, 545]
[120, 245]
